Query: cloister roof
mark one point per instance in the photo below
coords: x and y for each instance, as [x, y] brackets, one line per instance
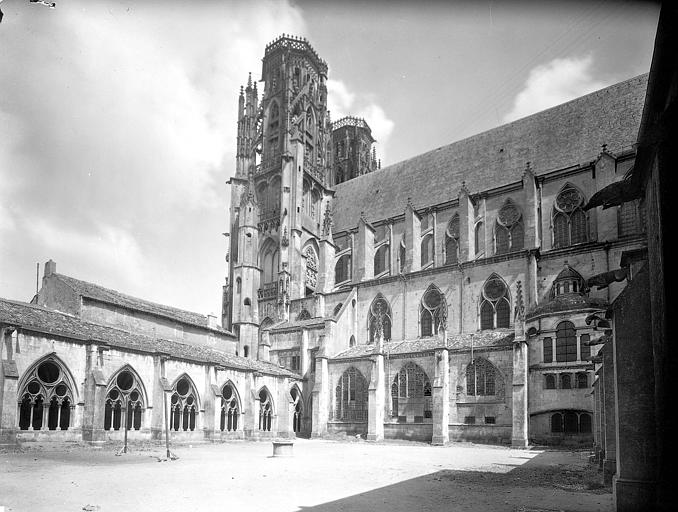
[101, 294]
[567, 302]
[481, 339]
[42, 320]
[559, 137]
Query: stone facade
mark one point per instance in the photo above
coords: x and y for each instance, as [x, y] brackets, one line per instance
[83, 362]
[477, 252]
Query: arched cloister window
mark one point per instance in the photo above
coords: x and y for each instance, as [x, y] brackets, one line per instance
[571, 422]
[508, 231]
[380, 306]
[432, 311]
[46, 396]
[351, 397]
[565, 381]
[495, 309]
[265, 410]
[298, 404]
[230, 408]
[550, 381]
[582, 380]
[452, 241]
[566, 342]
[569, 219]
[342, 269]
[585, 423]
[184, 404]
[483, 379]
[311, 279]
[427, 250]
[381, 259]
[411, 392]
[480, 238]
[125, 401]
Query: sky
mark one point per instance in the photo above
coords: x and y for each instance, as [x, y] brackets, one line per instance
[118, 118]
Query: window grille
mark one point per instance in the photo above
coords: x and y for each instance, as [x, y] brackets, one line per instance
[481, 378]
[566, 342]
[470, 420]
[380, 306]
[548, 350]
[550, 381]
[351, 397]
[565, 381]
[570, 225]
[582, 380]
[265, 410]
[184, 405]
[495, 310]
[432, 311]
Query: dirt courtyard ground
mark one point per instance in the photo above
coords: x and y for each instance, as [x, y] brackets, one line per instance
[322, 476]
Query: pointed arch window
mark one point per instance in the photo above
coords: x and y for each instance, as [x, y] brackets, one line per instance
[427, 250]
[304, 314]
[452, 241]
[483, 379]
[230, 409]
[380, 306]
[495, 309]
[432, 311]
[402, 256]
[381, 259]
[342, 269]
[311, 277]
[265, 410]
[270, 264]
[46, 397]
[508, 231]
[480, 238]
[124, 401]
[298, 405]
[411, 393]
[351, 397]
[569, 220]
[184, 405]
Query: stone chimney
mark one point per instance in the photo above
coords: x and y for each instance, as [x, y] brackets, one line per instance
[212, 321]
[50, 268]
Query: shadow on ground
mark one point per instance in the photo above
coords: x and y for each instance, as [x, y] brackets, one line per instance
[532, 484]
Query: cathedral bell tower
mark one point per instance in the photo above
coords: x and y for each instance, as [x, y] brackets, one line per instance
[280, 189]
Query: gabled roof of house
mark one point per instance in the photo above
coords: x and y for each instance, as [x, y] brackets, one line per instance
[39, 319]
[101, 294]
[556, 138]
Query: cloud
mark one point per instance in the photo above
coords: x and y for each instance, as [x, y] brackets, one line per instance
[117, 133]
[554, 83]
[342, 102]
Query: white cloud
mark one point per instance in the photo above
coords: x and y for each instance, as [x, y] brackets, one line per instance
[554, 83]
[119, 135]
[342, 102]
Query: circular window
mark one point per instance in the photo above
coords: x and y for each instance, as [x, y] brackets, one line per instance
[114, 394]
[227, 392]
[432, 299]
[262, 395]
[494, 289]
[34, 388]
[189, 400]
[182, 387]
[175, 398]
[134, 396]
[509, 215]
[568, 200]
[48, 372]
[125, 381]
[61, 389]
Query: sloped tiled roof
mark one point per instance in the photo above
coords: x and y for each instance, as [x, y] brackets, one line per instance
[99, 293]
[42, 320]
[567, 302]
[556, 138]
[296, 324]
[482, 339]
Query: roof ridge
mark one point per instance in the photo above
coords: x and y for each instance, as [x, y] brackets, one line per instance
[520, 119]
